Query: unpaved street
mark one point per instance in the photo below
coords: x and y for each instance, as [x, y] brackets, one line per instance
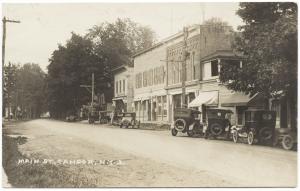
[155, 158]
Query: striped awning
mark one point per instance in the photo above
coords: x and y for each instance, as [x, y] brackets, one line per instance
[206, 98]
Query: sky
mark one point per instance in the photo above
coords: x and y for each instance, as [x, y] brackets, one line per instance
[44, 26]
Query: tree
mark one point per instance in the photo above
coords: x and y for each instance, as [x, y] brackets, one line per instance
[103, 48]
[215, 21]
[70, 66]
[268, 41]
[29, 91]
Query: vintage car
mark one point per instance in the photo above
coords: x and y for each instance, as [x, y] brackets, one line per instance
[259, 126]
[286, 137]
[186, 121]
[93, 115]
[104, 116]
[129, 120]
[71, 118]
[218, 121]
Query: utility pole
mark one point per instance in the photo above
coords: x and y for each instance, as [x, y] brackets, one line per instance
[4, 21]
[92, 87]
[183, 66]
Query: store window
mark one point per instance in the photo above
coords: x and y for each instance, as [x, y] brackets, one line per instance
[159, 102]
[276, 107]
[240, 115]
[165, 106]
[123, 85]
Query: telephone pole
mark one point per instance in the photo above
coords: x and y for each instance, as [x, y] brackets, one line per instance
[92, 87]
[183, 66]
[4, 21]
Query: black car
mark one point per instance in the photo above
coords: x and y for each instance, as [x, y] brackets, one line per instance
[186, 121]
[129, 120]
[259, 126]
[218, 121]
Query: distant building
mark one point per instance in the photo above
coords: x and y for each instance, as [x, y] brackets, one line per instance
[123, 88]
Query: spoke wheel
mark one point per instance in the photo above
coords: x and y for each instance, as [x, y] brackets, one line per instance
[216, 129]
[235, 136]
[287, 142]
[250, 138]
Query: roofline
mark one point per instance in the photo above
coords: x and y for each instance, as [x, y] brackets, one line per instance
[172, 37]
[123, 66]
[212, 56]
[165, 40]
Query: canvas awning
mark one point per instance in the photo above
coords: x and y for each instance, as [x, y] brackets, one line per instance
[237, 99]
[207, 98]
[118, 98]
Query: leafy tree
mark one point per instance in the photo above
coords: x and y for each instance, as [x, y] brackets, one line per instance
[103, 48]
[215, 21]
[268, 41]
[70, 66]
[29, 91]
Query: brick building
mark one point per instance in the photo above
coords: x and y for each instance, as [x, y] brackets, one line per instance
[158, 72]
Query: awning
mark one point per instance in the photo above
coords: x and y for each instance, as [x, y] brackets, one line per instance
[118, 98]
[237, 99]
[207, 98]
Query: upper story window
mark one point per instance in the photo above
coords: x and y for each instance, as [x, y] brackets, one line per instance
[123, 85]
[116, 87]
[214, 68]
[210, 69]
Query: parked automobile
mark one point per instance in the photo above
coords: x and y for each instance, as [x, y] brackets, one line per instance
[129, 120]
[104, 116]
[71, 118]
[218, 120]
[286, 137]
[259, 126]
[186, 120]
[93, 115]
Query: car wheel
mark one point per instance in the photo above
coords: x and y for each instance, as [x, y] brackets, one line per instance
[235, 136]
[250, 138]
[216, 129]
[287, 142]
[91, 120]
[180, 124]
[190, 133]
[174, 132]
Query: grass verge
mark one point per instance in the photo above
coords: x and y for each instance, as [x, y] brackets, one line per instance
[38, 175]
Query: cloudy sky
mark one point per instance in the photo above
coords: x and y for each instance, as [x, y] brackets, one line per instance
[44, 26]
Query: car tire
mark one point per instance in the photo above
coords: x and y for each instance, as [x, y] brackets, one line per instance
[174, 132]
[178, 121]
[250, 137]
[235, 136]
[91, 121]
[216, 129]
[287, 142]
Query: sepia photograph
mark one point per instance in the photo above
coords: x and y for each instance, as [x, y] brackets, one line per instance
[162, 94]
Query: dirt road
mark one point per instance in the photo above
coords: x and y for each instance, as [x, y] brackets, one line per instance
[155, 158]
